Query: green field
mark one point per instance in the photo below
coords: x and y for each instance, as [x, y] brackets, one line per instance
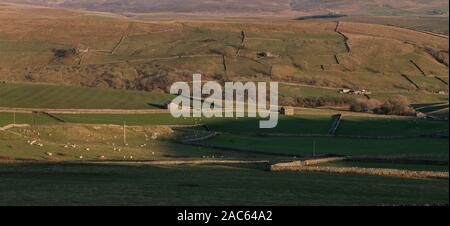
[72, 97]
[301, 124]
[52, 184]
[129, 119]
[304, 146]
[413, 96]
[359, 126]
[25, 118]
[291, 124]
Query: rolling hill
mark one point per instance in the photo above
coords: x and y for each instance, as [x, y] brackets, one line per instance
[374, 7]
[112, 52]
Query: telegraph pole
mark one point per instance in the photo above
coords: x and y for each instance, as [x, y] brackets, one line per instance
[14, 119]
[124, 134]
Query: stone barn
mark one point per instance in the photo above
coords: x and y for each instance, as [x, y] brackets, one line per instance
[287, 110]
[170, 105]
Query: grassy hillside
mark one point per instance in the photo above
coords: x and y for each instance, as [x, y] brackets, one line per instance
[151, 55]
[439, 25]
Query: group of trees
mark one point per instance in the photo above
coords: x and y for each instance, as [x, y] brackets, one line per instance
[63, 53]
[397, 105]
[313, 102]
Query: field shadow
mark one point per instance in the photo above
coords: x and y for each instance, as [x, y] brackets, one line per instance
[159, 106]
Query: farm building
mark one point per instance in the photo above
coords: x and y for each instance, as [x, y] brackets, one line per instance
[420, 114]
[267, 55]
[287, 110]
[81, 49]
[355, 92]
[170, 105]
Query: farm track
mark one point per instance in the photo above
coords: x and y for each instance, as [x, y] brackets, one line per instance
[122, 39]
[299, 111]
[197, 139]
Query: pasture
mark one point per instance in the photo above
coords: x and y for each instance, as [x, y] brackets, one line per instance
[25, 118]
[69, 184]
[15, 95]
[308, 146]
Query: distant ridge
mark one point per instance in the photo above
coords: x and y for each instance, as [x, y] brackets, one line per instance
[251, 7]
